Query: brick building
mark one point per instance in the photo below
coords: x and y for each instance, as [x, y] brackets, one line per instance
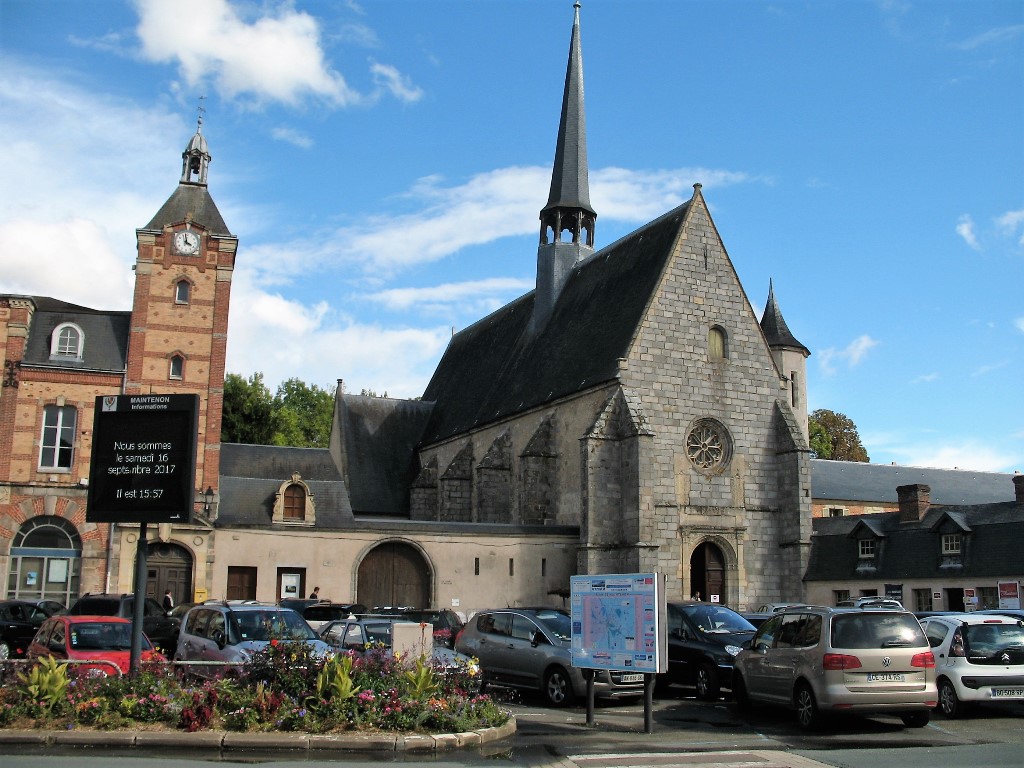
[57, 357]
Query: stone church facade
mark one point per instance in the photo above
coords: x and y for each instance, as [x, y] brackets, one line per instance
[632, 413]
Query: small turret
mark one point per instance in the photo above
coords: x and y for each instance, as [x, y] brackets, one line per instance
[789, 354]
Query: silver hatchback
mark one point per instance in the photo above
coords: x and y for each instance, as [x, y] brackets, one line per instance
[532, 649]
[825, 661]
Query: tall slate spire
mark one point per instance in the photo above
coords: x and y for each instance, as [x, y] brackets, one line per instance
[776, 332]
[568, 213]
[568, 206]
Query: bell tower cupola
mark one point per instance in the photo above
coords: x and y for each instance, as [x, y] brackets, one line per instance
[195, 160]
[567, 221]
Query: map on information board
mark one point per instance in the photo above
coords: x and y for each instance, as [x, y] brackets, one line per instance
[618, 622]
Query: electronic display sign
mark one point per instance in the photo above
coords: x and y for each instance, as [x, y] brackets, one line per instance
[143, 463]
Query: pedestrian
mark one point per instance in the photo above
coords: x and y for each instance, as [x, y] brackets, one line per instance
[168, 601]
[315, 595]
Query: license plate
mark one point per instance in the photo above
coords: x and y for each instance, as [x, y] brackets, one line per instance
[886, 677]
[1007, 693]
[632, 678]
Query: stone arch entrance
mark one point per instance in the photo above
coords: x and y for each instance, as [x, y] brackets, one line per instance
[394, 574]
[169, 566]
[707, 572]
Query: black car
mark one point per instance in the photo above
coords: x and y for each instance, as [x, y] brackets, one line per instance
[19, 622]
[159, 626]
[703, 640]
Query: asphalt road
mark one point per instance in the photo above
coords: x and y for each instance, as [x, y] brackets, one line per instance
[686, 733]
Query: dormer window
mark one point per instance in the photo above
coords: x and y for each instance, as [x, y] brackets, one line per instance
[294, 503]
[866, 549]
[951, 543]
[67, 341]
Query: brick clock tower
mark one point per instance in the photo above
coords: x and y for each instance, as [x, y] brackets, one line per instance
[179, 321]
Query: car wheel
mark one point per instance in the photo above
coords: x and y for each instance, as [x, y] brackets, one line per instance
[557, 687]
[707, 682]
[739, 693]
[949, 702]
[5, 651]
[807, 713]
[915, 719]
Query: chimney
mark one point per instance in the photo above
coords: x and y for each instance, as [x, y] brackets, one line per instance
[914, 502]
[1018, 488]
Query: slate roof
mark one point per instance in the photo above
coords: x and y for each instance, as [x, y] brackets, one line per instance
[994, 537]
[380, 436]
[496, 368]
[106, 336]
[861, 481]
[251, 475]
[190, 199]
[774, 327]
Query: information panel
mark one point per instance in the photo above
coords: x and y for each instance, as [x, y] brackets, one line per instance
[618, 622]
[143, 459]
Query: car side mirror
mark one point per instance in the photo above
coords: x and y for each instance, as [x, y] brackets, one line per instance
[218, 638]
[537, 638]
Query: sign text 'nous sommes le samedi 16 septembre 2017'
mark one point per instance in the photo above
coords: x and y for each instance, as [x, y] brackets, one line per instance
[143, 459]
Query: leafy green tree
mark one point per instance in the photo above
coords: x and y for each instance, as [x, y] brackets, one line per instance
[834, 436]
[249, 414]
[304, 414]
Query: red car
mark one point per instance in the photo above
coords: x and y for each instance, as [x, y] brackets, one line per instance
[87, 638]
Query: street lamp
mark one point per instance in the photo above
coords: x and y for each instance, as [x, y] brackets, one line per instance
[209, 499]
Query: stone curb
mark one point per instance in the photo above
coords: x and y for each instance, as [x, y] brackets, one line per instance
[235, 741]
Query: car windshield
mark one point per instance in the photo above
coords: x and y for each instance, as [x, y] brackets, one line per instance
[271, 624]
[102, 637]
[877, 630]
[718, 620]
[991, 638]
[557, 623]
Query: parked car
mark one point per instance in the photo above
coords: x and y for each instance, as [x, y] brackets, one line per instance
[446, 622]
[230, 632]
[19, 622]
[1014, 613]
[872, 602]
[703, 640]
[319, 615]
[532, 649]
[979, 658]
[98, 639]
[756, 618]
[157, 624]
[52, 607]
[775, 607]
[824, 661]
[357, 635]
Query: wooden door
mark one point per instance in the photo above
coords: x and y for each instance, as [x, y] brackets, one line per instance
[394, 574]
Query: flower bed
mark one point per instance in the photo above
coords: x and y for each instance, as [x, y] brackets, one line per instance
[284, 688]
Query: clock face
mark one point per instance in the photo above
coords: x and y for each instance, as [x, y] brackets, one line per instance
[186, 243]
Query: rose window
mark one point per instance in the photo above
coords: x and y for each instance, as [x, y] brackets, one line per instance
[707, 445]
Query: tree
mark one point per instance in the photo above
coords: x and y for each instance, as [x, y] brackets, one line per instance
[834, 436]
[249, 412]
[304, 413]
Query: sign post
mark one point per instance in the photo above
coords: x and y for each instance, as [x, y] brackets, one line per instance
[142, 470]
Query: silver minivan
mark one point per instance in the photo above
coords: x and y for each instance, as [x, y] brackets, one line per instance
[825, 661]
[229, 632]
[532, 649]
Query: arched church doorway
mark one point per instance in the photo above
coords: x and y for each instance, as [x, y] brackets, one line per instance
[707, 572]
[394, 574]
[169, 566]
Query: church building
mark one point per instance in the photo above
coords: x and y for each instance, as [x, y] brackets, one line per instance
[629, 414]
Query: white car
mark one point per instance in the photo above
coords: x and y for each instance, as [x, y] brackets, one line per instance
[978, 658]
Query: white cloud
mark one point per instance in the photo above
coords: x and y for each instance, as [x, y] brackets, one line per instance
[283, 338]
[965, 228]
[851, 355]
[925, 378]
[993, 36]
[976, 456]
[276, 57]
[987, 369]
[1009, 222]
[1019, 322]
[390, 80]
[449, 293]
[292, 136]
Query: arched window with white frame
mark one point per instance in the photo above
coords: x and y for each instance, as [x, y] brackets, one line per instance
[67, 342]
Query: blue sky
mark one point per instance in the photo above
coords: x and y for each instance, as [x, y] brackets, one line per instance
[384, 163]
